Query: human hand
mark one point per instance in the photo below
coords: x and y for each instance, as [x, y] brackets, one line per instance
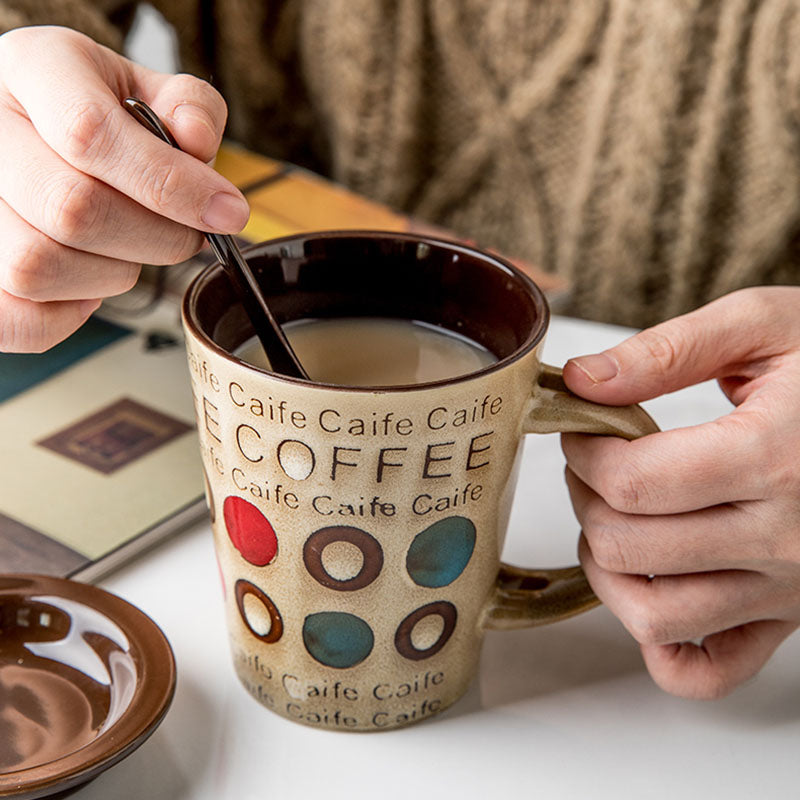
[86, 193]
[693, 535]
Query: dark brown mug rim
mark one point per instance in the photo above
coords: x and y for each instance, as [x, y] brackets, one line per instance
[214, 270]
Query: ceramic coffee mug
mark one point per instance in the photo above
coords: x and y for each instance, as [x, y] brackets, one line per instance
[359, 530]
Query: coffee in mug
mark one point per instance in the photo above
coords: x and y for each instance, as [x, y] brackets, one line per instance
[358, 528]
[375, 351]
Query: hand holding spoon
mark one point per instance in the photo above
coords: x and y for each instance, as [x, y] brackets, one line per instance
[279, 352]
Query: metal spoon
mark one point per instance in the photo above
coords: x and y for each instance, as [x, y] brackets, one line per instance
[279, 352]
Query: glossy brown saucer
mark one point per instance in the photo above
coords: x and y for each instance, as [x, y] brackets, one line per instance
[85, 678]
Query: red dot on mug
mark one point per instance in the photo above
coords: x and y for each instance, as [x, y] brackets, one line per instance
[250, 531]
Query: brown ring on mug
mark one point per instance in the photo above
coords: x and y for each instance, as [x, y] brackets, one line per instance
[243, 588]
[402, 638]
[367, 545]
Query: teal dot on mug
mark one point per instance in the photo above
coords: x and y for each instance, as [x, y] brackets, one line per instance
[336, 639]
[440, 553]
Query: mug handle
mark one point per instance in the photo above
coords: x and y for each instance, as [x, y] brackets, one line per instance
[524, 598]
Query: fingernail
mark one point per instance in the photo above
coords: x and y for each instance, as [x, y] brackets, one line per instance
[597, 368]
[226, 212]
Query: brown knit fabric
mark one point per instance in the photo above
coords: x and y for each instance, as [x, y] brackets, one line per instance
[103, 20]
[647, 150]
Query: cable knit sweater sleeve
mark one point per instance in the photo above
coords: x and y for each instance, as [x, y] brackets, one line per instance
[104, 20]
[646, 150]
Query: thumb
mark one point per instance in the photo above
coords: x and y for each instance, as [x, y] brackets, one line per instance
[704, 344]
[193, 110]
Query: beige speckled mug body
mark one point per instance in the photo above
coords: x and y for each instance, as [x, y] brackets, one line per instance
[359, 531]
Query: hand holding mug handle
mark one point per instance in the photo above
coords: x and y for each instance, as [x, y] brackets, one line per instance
[524, 598]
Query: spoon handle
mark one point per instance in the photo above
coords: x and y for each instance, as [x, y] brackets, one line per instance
[281, 356]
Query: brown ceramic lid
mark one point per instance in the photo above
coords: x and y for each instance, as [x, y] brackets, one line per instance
[85, 678]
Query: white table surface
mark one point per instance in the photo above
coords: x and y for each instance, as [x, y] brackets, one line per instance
[566, 711]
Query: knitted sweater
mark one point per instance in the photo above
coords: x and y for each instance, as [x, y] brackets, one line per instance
[646, 150]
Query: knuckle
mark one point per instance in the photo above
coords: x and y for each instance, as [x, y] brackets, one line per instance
[162, 186]
[87, 133]
[72, 210]
[779, 481]
[28, 270]
[626, 489]
[765, 304]
[664, 350]
[610, 549]
[646, 624]
[762, 435]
